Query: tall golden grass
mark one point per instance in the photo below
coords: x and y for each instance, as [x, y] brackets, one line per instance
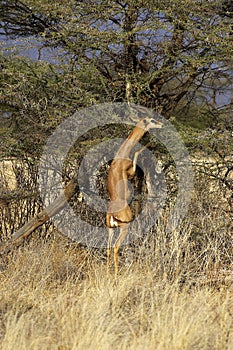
[169, 294]
[174, 290]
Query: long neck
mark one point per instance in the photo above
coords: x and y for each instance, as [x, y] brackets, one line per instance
[126, 147]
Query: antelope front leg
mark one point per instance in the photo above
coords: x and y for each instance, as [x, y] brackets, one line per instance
[136, 154]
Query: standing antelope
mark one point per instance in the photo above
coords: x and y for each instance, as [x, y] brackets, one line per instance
[121, 169]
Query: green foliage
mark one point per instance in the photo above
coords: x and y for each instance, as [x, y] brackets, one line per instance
[169, 56]
[144, 45]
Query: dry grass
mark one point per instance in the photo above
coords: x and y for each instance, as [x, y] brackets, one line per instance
[58, 296]
[174, 290]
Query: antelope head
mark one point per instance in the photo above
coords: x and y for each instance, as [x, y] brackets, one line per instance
[148, 122]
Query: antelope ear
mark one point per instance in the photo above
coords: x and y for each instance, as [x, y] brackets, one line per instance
[134, 118]
[142, 109]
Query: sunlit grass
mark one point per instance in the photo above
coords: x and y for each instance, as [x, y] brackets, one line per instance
[59, 296]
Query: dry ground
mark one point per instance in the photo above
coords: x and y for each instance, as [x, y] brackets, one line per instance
[58, 296]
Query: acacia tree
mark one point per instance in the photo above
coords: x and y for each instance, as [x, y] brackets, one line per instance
[164, 55]
[156, 53]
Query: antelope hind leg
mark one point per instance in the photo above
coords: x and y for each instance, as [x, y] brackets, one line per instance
[123, 233]
[109, 248]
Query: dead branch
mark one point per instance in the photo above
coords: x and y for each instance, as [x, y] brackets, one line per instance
[43, 216]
